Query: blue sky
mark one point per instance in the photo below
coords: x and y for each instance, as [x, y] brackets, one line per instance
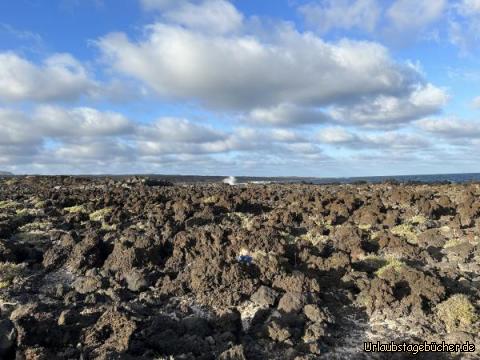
[245, 87]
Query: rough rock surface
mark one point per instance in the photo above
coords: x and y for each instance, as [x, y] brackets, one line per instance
[144, 269]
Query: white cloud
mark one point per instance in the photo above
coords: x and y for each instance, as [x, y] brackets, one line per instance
[242, 72]
[286, 115]
[464, 27]
[390, 111]
[360, 141]
[179, 130]
[81, 121]
[451, 127]
[216, 16]
[469, 7]
[397, 141]
[411, 15]
[54, 123]
[94, 151]
[336, 135]
[60, 77]
[16, 128]
[81, 136]
[287, 136]
[160, 4]
[342, 14]
[476, 102]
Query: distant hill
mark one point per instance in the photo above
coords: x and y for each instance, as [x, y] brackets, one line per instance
[3, 173]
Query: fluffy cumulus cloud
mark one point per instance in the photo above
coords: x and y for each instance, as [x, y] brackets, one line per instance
[464, 25]
[385, 141]
[59, 77]
[286, 114]
[159, 4]
[451, 127]
[284, 79]
[88, 140]
[415, 14]
[342, 14]
[220, 71]
[211, 16]
[469, 7]
[74, 131]
[58, 122]
[390, 111]
[267, 96]
[179, 130]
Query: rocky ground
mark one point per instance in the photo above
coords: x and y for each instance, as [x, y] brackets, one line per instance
[138, 269]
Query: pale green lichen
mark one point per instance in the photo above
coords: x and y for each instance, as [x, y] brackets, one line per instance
[457, 313]
[289, 238]
[9, 272]
[39, 204]
[406, 231]
[365, 227]
[391, 264]
[36, 226]
[314, 237]
[10, 182]
[7, 204]
[247, 220]
[210, 200]
[108, 227]
[75, 209]
[452, 243]
[321, 222]
[26, 211]
[99, 215]
[22, 212]
[417, 220]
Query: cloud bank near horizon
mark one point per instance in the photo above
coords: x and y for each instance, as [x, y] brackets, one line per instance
[251, 95]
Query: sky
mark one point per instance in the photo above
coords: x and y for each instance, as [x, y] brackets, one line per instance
[324, 88]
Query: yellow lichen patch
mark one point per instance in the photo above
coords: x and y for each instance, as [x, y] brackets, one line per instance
[22, 212]
[108, 227]
[75, 209]
[99, 215]
[10, 182]
[452, 243]
[457, 313]
[7, 204]
[391, 263]
[36, 226]
[417, 220]
[314, 237]
[365, 227]
[210, 200]
[138, 226]
[375, 235]
[38, 204]
[406, 231]
[321, 222]
[26, 211]
[8, 273]
[289, 238]
[247, 220]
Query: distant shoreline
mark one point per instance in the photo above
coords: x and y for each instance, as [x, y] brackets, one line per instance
[424, 178]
